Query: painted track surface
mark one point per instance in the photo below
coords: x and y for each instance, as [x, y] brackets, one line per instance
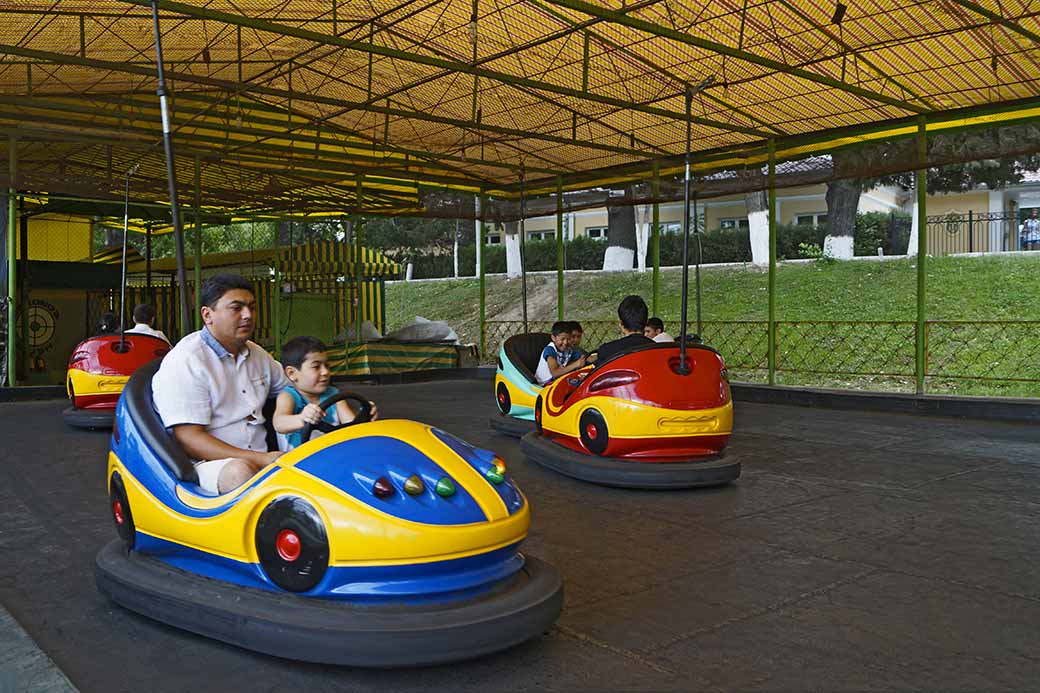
[858, 550]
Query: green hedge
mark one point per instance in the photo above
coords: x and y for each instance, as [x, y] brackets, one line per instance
[873, 230]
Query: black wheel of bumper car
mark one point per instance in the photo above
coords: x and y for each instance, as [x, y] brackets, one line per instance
[594, 432]
[292, 544]
[519, 608]
[120, 509]
[621, 473]
[92, 419]
[502, 399]
[510, 426]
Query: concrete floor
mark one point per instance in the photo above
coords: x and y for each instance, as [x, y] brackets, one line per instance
[857, 551]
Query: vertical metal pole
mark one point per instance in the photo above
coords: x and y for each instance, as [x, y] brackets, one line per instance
[922, 251]
[358, 227]
[480, 272]
[684, 367]
[148, 262]
[655, 242]
[171, 175]
[198, 244]
[276, 309]
[559, 248]
[971, 233]
[126, 242]
[523, 258]
[772, 264]
[24, 279]
[697, 269]
[12, 284]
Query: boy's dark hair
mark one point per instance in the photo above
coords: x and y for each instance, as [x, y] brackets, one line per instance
[576, 327]
[632, 313]
[559, 327]
[109, 323]
[655, 323]
[219, 284]
[295, 351]
[144, 313]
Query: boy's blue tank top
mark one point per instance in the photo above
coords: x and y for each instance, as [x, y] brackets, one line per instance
[295, 439]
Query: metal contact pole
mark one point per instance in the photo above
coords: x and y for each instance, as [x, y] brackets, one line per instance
[684, 367]
[171, 176]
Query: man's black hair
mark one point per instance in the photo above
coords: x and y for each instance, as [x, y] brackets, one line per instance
[295, 351]
[144, 313]
[576, 327]
[655, 323]
[559, 327]
[219, 284]
[632, 313]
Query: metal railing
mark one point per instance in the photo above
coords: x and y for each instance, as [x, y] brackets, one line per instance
[962, 357]
[973, 232]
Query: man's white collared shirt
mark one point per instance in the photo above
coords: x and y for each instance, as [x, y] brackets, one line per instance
[200, 382]
[143, 328]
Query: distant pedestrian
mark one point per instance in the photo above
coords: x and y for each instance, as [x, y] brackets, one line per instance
[1029, 231]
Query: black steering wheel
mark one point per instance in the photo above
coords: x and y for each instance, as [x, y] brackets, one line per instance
[363, 415]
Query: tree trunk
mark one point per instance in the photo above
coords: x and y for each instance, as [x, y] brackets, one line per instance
[842, 203]
[510, 232]
[621, 238]
[757, 204]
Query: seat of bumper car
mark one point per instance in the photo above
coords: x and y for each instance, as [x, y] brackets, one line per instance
[524, 350]
[137, 398]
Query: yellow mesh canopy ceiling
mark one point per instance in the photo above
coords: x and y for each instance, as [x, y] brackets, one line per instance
[308, 107]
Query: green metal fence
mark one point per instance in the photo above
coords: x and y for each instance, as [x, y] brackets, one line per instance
[961, 357]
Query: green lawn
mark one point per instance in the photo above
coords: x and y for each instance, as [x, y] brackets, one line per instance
[1005, 288]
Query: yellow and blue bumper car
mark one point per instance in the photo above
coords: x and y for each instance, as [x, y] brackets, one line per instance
[379, 544]
[516, 388]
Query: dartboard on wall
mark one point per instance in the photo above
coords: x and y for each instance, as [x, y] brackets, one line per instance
[41, 321]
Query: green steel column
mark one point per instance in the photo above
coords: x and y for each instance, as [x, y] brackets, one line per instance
[358, 225]
[559, 248]
[772, 262]
[198, 243]
[358, 229]
[655, 242]
[12, 287]
[480, 274]
[922, 251]
[276, 309]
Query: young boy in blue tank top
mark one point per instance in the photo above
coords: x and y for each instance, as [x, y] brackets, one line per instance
[306, 366]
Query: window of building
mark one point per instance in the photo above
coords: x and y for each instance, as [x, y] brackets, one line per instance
[814, 219]
[734, 223]
[494, 239]
[596, 232]
[541, 235]
[672, 227]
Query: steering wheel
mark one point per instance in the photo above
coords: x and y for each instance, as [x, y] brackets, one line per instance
[363, 415]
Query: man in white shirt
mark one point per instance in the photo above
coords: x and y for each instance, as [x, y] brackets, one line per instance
[144, 318]
[212, 386]
[655, 330]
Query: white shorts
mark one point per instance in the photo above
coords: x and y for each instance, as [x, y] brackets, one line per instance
[209, 473]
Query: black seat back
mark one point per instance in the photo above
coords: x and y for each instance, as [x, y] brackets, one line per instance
[137, 398]
[524, 350]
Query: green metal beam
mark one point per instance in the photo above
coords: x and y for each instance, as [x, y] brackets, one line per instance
[193, 135]
[921, 185]
[433, 61]
[67, 59]
[771, 346]
[1002, 21]
[696, 41]
[12, 264]
[559, 249]
[793, 7]
[679, 81]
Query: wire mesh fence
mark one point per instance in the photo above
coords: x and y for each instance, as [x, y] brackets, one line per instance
[998, 357]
